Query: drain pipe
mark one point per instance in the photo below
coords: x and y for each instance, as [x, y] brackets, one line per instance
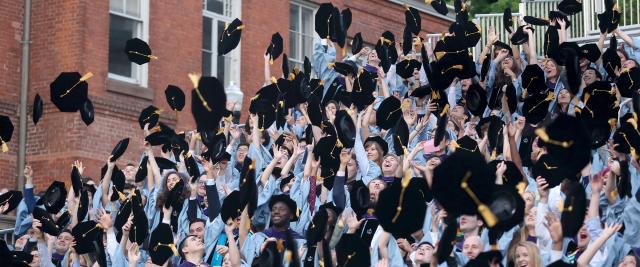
[24, 86]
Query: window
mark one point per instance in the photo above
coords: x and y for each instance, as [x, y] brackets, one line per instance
[127, 19]
[216, 15]
[301, 33]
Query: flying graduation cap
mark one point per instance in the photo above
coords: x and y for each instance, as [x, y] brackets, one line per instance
[208, 102]
[570, 7]
[12, 197]
[119, 149]
[356, 43]
[230, 37]
[87, 113]
[275, 47]
[6, 130]
[324, 21]
[138, 51]
[69, 91]
[412, 19]
[175, 97]
[440, 6]
[37, 109]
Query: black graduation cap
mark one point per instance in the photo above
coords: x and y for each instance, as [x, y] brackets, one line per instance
[533, 80]
[600, 102]
[512, 99]
[69, 91]
[12, 197]
[54, 198]
[352, 251]
[507, 20]
[401, 137]
[150, 115]
[575, 203]
[174, 195]
[208, 103]
[440, 6]
[76, 180]
[567, 144]
[84, 234]
[407, 41]
[466, 144]
[610, 59]
[383, 53]
[536, 107]
[83, 206]
[356, 43]
[119, 149]
[324, 21]
[476, 99]
[406, 67]
[231, 206]
[572, 70]
[230, 37]
[608, 20]
[345, 128]
[557, 15]
[118, 181]
[520, 37]
[536, 21]
[275, 47]
[495, 135]
[412, 19]
[388, 113]
[570, 7]
[265, 109]
[447, 239]
[293, 208]
[359, 197]
[48, 225]
[626, 139]
[381, 142]
[401, 208]
[16, 258]
[421, 91]
[590, 51]
[138, 51]
[345, 68]
[467, 32]
[487, 258]
[141, 173]
[626, 82]
[508, 207]
[462, 184]
[285, 65]
[598, 130]
[6, 130]
[462, 14]
[161, 246]
[87, 113]
[500, 45]
[175, 97]
[37, 109]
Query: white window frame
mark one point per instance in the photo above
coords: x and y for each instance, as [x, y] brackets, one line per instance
[300, 5]
[142, 71]
[231, 10]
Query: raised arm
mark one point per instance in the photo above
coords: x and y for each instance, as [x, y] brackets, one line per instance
[267, 69]
[625, 37]
[592, 248]
[212, 173]
[382, 83]
[277, 155]
[234, 253]
[106, 180]
[533, 57]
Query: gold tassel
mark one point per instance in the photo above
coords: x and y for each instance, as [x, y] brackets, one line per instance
[5, 148]
[484, 211]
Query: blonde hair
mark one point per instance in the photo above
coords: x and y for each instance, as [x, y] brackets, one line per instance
[532, 250]
[378, 148]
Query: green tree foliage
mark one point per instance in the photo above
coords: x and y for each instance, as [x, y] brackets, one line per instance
[492, 6]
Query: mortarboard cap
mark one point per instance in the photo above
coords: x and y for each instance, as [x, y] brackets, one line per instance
[356, 43]
[230, 37]
[48, 225]
[54, 198]
[536, 107]
[231, 208]
[208, 103]
[345, 68]
[83, 206]
[13, 198]
[138, 51]
[119, 149]
[381, 142]
[570, 7]
[608, 20]
[84, 234]
[476, 99]
[87, 113]
[6, 131]
[575, 203]
[401, 137]
[462, 183]
[508, 207]
[352, 251]
[150, 115]
[275, 47]
[439, 5]
[412, 19]
[175, 97]
[590, 51]
[507, 20]
[69, 91]
[520, 36]
[141, 173]
[406, 67]
[626, 82]
[401, 208]
[37, 109]
[161, 246]
[388, 113]
[345, 128]
[76, 180]
[610, 59]
[324, 21]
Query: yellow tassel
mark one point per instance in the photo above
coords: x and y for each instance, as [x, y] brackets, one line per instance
[86, 76]
[287, 256]
[5, 148]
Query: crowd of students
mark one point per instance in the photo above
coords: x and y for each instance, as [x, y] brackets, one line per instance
[408, 153]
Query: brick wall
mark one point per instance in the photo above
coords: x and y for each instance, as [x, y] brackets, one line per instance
[72, 35]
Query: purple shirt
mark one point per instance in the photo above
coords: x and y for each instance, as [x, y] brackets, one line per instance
[189, 264]
[272, 232]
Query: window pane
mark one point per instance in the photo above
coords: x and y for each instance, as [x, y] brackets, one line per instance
[293, 45]
[133, 8]
[307, 21]
[116, 5]
[215, 6]
[120, 30]
[206, 33]
[206, 63]
[222, 66]
[294, 22]
[307, 47]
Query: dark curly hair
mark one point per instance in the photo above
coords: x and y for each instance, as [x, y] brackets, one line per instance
[164, 194]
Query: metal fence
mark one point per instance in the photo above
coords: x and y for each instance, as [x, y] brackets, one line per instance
[7, 235]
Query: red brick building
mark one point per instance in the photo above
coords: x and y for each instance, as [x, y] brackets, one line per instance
[83, 36]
